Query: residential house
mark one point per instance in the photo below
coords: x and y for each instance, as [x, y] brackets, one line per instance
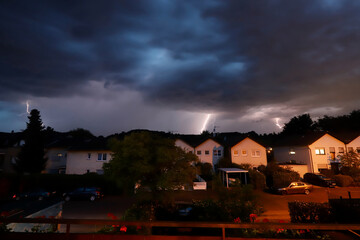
[10, 145]
[354, 145]
[209, 151]
[183, 145]
[247, 151]
[88, 157]
[56, 155]
[309, 153]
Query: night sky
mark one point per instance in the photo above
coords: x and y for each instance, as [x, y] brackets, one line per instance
[167, 65]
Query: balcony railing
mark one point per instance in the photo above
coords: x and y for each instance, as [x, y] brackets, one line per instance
[67, 234]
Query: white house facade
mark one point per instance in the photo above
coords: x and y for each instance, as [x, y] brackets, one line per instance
[56, 160]
[83, 161]
[324, 150]
[316, 154]
[183, 145]
[250, 152]
[209, 151]
[354, 145]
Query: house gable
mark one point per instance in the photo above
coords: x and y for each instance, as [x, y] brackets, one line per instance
[209, 151]
[183, 145]
[354, 145]
[324, 151]
[247, 151]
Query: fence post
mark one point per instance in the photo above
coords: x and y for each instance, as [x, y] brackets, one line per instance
[67, 230]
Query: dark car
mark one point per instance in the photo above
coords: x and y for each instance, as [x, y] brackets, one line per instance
[84, 193]
[319, 180]
[39, 194]
[296, 187]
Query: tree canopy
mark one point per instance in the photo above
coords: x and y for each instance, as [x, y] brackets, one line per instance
[31, 157]
[299, 125]
[151, 161]
[350, 159]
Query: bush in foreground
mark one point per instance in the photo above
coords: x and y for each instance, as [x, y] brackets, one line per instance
[343, 180]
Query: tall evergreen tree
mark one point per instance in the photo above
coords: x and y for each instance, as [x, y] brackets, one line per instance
[31, 157]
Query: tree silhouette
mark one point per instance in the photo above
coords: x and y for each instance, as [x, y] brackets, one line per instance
[152, 161]
[31, 157]
[301, 124]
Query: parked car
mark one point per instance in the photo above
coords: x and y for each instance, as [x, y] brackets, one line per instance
[84, 193]
[296, 187]
[38, 194]
[319, 180]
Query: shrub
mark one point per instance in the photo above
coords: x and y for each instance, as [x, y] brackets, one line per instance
[277, 176]
[208, 210]
[284, 178]
[309, 212]
[343, 180]
[352, 172]
[206, 170]
[257, 179]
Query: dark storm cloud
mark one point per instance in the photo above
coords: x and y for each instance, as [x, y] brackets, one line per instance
[234, 57]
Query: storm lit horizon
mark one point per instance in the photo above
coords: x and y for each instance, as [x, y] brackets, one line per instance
[177, 66]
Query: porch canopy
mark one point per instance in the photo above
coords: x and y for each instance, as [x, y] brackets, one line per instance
[230, 175]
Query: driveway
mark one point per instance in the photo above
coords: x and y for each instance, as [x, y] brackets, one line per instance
[276, 206]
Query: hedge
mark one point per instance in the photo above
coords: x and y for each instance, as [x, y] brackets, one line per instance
[309, 212]
[343, 180]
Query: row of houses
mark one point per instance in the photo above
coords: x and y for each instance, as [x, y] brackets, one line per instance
[307, 153]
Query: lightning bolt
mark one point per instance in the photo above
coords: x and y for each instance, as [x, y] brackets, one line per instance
[277, 123]
[27, 107]
[205, 123]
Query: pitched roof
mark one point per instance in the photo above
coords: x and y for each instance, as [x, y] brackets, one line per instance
[10, 139]
[192, 140]
[301, 140]
[99, 143]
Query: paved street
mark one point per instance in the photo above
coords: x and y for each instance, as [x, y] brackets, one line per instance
[276, 206]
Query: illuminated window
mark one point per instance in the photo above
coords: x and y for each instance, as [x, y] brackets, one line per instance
[59, 155]
[236, 153]
[320, 151]
[292, 152]
[244, 152]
